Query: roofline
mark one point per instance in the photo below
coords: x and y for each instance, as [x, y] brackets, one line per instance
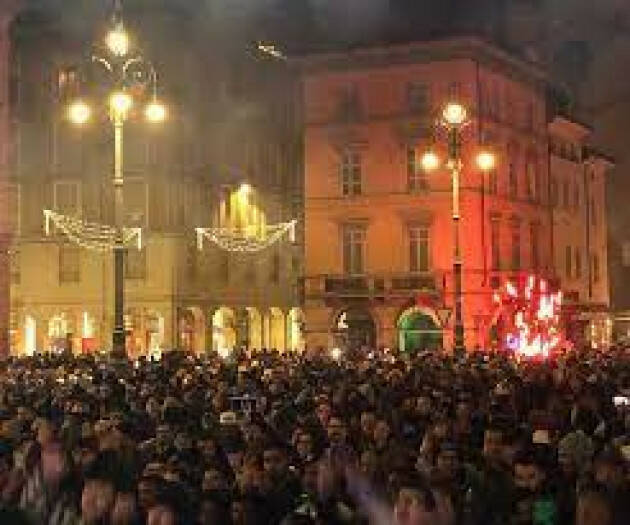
[471, 47]
[595, 154]
[576, 127]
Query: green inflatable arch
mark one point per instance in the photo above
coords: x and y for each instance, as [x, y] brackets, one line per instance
[418, 331]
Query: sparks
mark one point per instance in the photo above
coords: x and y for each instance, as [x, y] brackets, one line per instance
[531, 316]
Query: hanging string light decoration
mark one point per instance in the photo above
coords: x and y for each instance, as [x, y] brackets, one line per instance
[89, 235]
[247, 240]
[530, 313]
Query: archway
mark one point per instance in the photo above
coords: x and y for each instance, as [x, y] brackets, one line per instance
[354, 328]
[60, 333]
[276, 329]
[223, 330]
[295, 335]
[191, 330]
[419, 330]
[30, 336]
[255, 328]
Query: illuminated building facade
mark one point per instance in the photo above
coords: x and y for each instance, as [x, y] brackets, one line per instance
[580, 230]
[227, 156]
[379, 241]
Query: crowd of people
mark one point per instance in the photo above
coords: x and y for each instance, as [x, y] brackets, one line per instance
[362, 437]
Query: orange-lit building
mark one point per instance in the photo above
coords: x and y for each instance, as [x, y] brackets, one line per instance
[580, 230]
[379, 234]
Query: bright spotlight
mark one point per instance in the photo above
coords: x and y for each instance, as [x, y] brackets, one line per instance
[120, 102]
[486, 161]
[155, 112]
[79, 112]
[430, 161]
[454, 114]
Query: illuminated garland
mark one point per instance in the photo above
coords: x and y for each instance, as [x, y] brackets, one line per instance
[246, 240]
[89, 235]
[531, 317]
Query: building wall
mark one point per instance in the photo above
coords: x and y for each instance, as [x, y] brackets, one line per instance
[509, 99]
[580, 226]
[7, 12]
[184, 175]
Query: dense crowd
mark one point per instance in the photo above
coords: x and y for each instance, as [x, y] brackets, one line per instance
[264, 438]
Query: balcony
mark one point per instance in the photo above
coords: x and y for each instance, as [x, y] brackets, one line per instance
[413, 282]
[368, 286]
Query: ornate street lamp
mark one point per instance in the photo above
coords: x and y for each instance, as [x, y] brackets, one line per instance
[454, 119]
[127, 71]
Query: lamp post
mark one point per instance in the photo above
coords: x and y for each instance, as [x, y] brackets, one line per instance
[126, 72]
[454, 119]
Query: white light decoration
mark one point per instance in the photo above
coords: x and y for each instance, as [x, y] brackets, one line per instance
[93, 236]
[246, 240]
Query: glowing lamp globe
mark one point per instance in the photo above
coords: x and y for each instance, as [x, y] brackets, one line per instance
[335, 353]
[245, 189]
[454, 114]
[486, 161]
[430, 161]
[79, 112]
[117, 41]
[155, 112]
[120, 103]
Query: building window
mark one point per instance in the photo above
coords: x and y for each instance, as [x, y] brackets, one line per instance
[418, 98]
[512, 172]
[136, 196]
[554, 192]
[595, 268]
[69, 263]
[275, 268]
[67, 84]
[493, 182]
[224, 267]
[135, 264]
[67, 197]
[349, 108]
[354, 249]
[419, 254]
[535, 246]
[225, 207]
[351, 172]
[416, 177]
[516, 246]
[495, 245]
[15, 269]
[576, 195]
[578, 263]
[567, 261]
[531, 176]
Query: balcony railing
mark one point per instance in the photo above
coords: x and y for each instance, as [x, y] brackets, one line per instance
[368, 286]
